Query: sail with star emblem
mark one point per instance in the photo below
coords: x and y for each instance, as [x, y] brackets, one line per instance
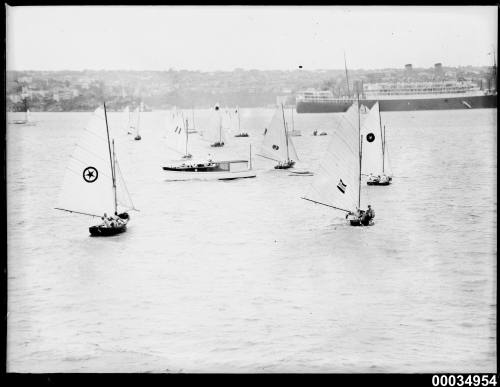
[92, 176]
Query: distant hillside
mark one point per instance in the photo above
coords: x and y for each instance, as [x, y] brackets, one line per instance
[84, 90]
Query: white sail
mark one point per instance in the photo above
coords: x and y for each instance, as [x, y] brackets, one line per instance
[28, 116]
[137, 120]
[88, 184]
[214, 131]
[372, 143]
[237, 120]
[123, 199]
[180, 134]
[276, 145]
[127, 120]
[336, 182]
[233, 121]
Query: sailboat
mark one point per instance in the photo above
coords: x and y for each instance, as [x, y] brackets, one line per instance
[127, 120]
[27, 116]
[93, 184]
[237, 123]
[374, 148]
[277, 144]
[137, 122]
[215, 132]
[191, 129]
[337, 183]
[294, 132]
[181, 135]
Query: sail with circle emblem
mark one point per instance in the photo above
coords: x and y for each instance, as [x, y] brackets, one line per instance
[216, 127]
[371, 131]
[88, 183]
[277, 144]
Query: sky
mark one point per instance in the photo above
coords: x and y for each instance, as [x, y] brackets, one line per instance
[211, 38]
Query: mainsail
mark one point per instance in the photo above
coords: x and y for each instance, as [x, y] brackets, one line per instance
[127, 120]
[336, 183]
[277, 144]
[181, 134]
[372, 142]
[215, 129]
[137, 119]
[88, 182]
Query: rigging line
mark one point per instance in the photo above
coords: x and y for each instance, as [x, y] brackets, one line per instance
[324, 204]
[266, 157]
[124, 185]
[77, 212]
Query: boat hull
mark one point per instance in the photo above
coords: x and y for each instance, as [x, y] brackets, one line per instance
[107, 231]
[100, 230]
[390, 105]
[208, 175]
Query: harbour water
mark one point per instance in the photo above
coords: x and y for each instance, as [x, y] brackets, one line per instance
[243, 275]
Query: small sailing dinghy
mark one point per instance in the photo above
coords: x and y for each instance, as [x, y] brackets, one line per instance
[27, 116]
[374, 149]
[337, 183]
[294, 132]
[215, 133]
[93, 184]
[137, 122]
[127, 120]
[277, 144]
[181, 135]
[237, 124]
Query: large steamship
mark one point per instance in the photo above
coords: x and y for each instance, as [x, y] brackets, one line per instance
[406, 96]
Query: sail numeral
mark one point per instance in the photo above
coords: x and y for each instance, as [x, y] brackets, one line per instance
[276, 147]
[370, 137]
[341, 186]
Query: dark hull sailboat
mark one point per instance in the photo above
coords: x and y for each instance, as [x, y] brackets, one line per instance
[102, 230]
[286, 165]
[378, 182]
[87, 188]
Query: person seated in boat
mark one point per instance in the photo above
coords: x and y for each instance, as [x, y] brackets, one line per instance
[118, 221]
[105, 221]
[367, 215]
[315, 133]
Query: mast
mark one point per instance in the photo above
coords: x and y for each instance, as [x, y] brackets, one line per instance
[220, 128]
[114, 179]
[238, 112]
[383, 155]
[250, 159]
[360, 139]
[382, 137]
[187, 136]
[111, 154]
[347, 77]
[138, 120]
[286, 136]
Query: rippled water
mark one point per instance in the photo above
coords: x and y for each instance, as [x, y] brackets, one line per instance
[243, 275]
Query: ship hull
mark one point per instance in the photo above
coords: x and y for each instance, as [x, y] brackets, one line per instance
[391, 105]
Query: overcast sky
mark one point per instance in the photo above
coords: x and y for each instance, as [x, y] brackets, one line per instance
[226, 37]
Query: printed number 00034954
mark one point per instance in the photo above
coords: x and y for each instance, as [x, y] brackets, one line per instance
[464, 380]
